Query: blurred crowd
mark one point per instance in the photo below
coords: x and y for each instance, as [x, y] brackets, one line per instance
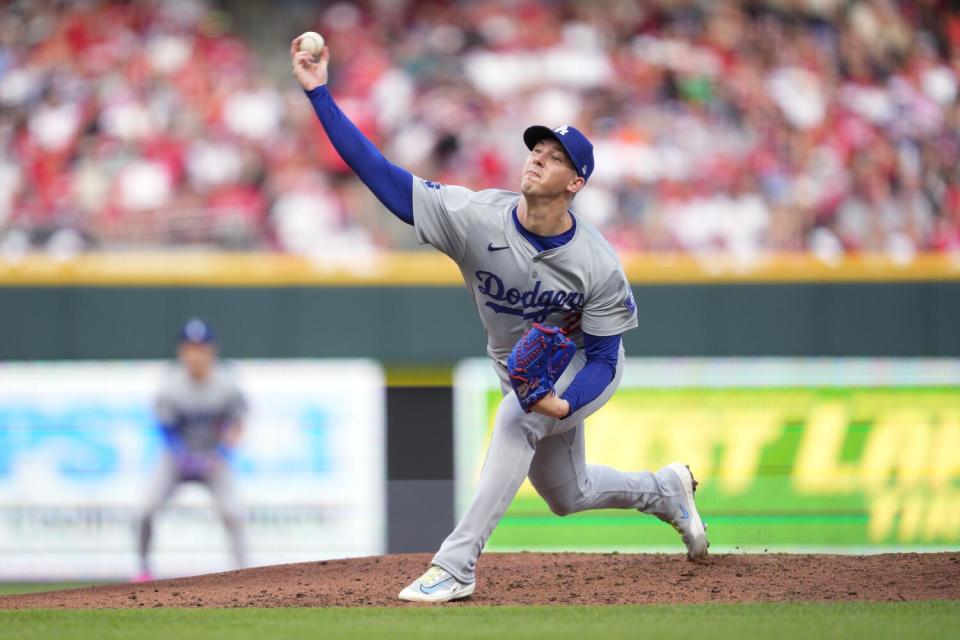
[826, 126]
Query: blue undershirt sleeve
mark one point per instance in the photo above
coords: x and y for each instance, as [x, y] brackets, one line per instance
[392, 185]
[602, 353]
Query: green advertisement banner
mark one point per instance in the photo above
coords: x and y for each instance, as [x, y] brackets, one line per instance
[845, 455]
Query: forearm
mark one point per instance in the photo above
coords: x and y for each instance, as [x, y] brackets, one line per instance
[596, 374]
[392, 185]
[588, 384]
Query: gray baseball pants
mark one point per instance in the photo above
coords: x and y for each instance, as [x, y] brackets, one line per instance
[221, 485]
[551, 452]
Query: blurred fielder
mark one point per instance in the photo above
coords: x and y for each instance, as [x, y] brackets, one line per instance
[536, 272]
[200, 411]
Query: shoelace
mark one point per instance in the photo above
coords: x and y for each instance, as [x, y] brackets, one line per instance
[433, 575]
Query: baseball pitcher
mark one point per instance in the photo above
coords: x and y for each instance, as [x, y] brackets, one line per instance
[554, 302]
[200, 410]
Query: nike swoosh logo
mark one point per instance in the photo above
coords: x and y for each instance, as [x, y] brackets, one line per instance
[432, 588]
[490, 247]
[684, 515]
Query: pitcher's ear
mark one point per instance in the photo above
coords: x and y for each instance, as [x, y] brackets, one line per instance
[576, 185]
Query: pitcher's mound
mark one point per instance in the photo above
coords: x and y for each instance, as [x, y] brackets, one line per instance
[542, 579]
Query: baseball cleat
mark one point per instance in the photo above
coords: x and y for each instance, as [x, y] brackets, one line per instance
[436, 585]
[683, 515]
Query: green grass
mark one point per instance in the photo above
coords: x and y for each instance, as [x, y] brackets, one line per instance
[781, 621]
[37, 587]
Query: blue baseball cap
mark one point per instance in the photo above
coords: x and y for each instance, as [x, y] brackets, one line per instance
[197, 331]
[579, 149]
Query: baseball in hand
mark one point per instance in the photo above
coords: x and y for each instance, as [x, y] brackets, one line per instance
[311, 42]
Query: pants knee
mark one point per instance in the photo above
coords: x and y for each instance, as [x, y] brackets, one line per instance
[145, 519]
[562, 504]
[231, 520]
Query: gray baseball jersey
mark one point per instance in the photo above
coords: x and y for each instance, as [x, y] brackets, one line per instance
[200, 411]
[579, 286]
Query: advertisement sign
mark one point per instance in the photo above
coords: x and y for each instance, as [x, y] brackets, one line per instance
[847, 455]
[79, 446]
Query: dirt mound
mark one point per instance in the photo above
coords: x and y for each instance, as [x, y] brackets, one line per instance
[542, 579]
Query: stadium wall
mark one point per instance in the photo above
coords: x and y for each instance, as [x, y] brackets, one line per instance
[415, 316]
[425, 325]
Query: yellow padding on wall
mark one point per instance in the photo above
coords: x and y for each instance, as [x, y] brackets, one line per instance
[429, 268]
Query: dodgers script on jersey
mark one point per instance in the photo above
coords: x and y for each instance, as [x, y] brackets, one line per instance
[578, 287]
[200, 411]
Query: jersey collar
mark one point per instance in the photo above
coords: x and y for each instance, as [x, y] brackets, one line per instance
[529, 238]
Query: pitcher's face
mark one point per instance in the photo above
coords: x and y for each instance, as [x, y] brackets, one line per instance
[548, 171]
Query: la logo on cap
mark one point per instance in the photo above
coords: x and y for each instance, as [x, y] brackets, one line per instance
[564, 130]
[196, 330]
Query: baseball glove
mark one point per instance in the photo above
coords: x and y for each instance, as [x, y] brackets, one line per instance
[537, 360]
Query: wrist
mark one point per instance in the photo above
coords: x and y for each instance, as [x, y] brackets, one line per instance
[565, 407]
[553, 406]
[320, 89]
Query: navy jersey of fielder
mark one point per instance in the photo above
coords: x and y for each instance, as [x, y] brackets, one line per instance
[579, 286]
[197, 412]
